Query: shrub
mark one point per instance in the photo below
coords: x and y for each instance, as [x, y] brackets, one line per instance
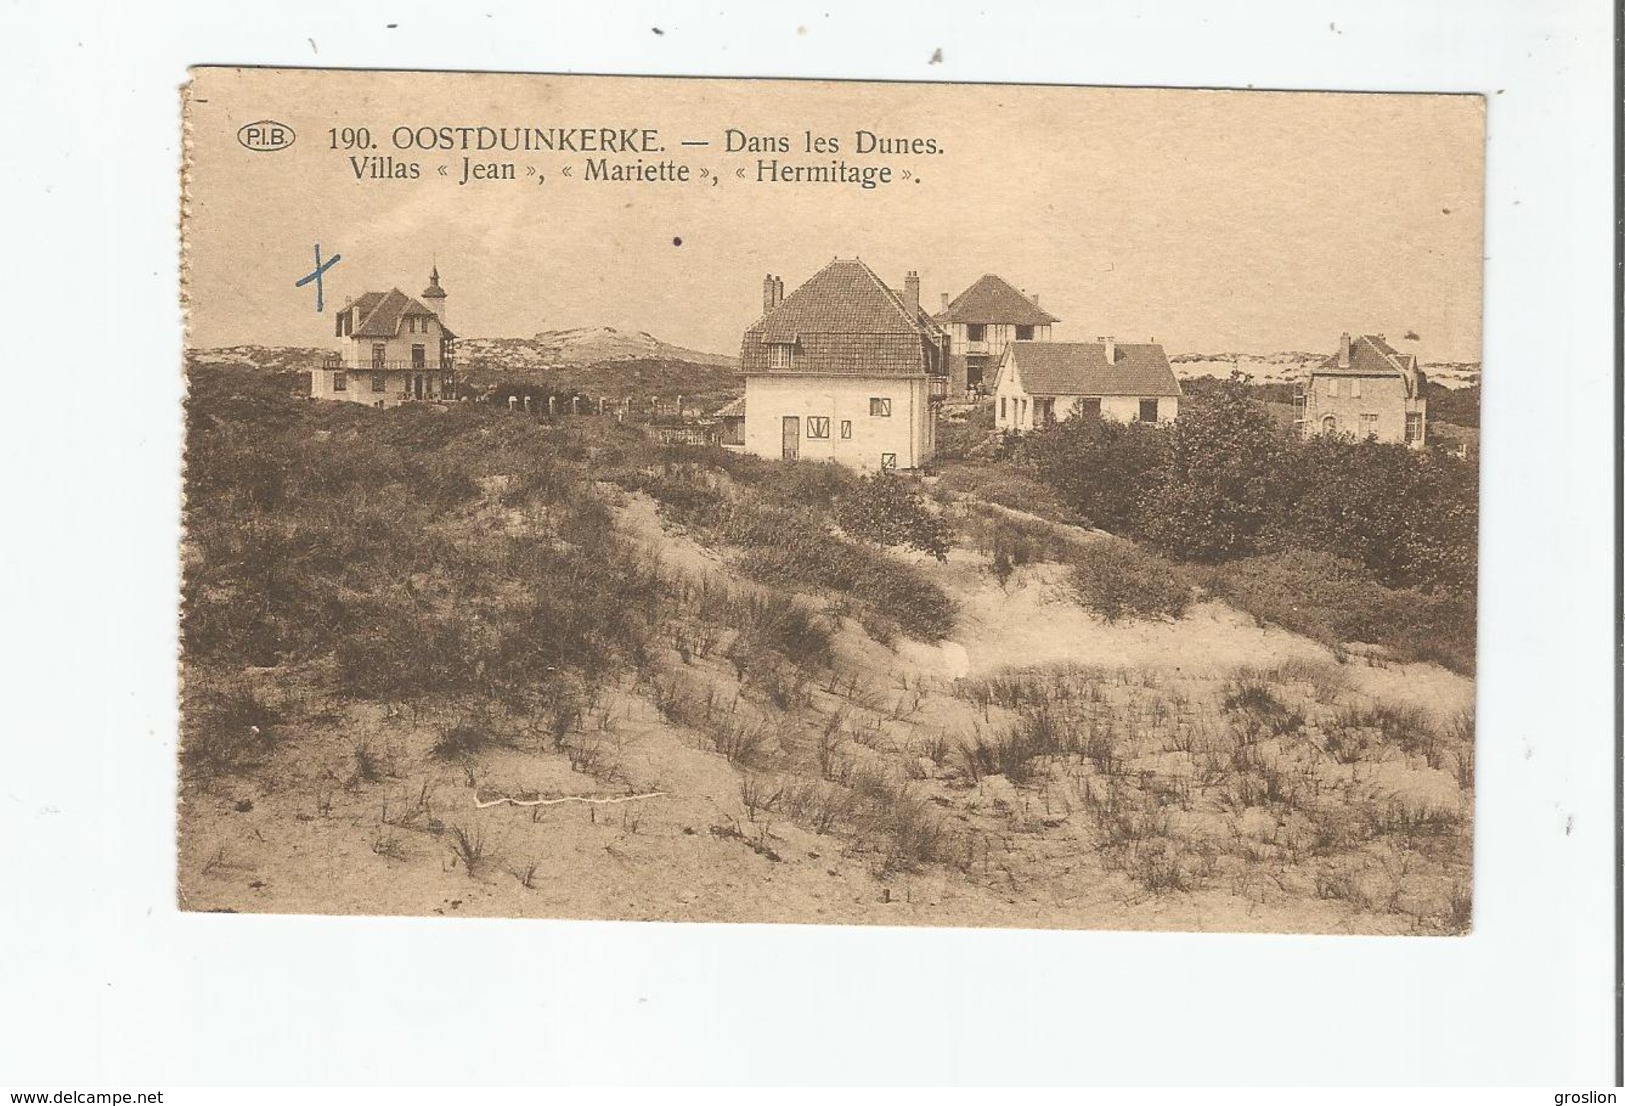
[1408, 518]
[1334, 600]
[1007, 486]
[817, 484]
[1099, 468]
[1003, 565]
[959, 438]
[1022, 541]
[886, 510]
[1226, 473]
[467, 735]
[894, 593]
[781, 625]
[1117, 579]
[225, 729]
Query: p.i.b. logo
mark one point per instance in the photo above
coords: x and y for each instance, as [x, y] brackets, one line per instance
[265, 136]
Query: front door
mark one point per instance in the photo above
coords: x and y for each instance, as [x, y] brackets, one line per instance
[792, 437]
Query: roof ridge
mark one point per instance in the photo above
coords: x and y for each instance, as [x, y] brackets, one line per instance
[1377, 341]
[994, 285]
[891, 295]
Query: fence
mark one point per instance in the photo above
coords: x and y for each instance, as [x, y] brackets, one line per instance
[686, 434]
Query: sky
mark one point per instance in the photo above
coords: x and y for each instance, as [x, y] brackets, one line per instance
[1212, 221]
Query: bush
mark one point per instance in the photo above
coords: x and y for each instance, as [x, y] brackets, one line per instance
[1226, 475]
[352, 556]
[1117, 579]
[226, 728]
[885, 510]
[894, 593]
[1407, 517]
[965, 437]
[1099, 468]
[1334, 601]
[1008, 487]
[792, 550]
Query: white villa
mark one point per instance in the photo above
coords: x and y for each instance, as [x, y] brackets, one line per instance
[843, 369]
[399, 349]
[1041, 383]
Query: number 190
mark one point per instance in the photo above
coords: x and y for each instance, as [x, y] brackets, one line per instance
[349, 138]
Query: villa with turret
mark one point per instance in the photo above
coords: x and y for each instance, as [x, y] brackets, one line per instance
[397, 349]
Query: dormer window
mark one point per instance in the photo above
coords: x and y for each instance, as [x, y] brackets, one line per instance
[778, 354]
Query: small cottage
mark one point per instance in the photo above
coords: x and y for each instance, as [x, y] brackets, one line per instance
[1041, 383]
[843, 369]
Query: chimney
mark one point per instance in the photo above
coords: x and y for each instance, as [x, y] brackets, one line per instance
[778, 291]
[1035, 299]
[770, 298]
[945, 302]
[1343, 351]
[911, 292]
[1111, 348]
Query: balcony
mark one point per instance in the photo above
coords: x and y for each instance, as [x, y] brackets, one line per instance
[389, 366]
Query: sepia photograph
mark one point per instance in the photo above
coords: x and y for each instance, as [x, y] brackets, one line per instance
[830, 502]
[740, 548]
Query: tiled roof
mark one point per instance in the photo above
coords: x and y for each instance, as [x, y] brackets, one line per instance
[1081, 369]
[734, 410]
[1371, 355]
[992, 300]
[842, 320]
[380, 313]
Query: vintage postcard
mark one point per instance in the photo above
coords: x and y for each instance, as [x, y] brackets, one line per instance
[834, 502]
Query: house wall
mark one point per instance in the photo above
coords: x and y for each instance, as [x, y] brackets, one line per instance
[1120, 408]
[359, 386]
[1013, 408]
[357, 360]
[1382, 396]
[909, 432]
[997, 337]
[358, 351]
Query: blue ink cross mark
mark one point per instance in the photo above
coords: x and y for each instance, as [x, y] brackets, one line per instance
[316, 274]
